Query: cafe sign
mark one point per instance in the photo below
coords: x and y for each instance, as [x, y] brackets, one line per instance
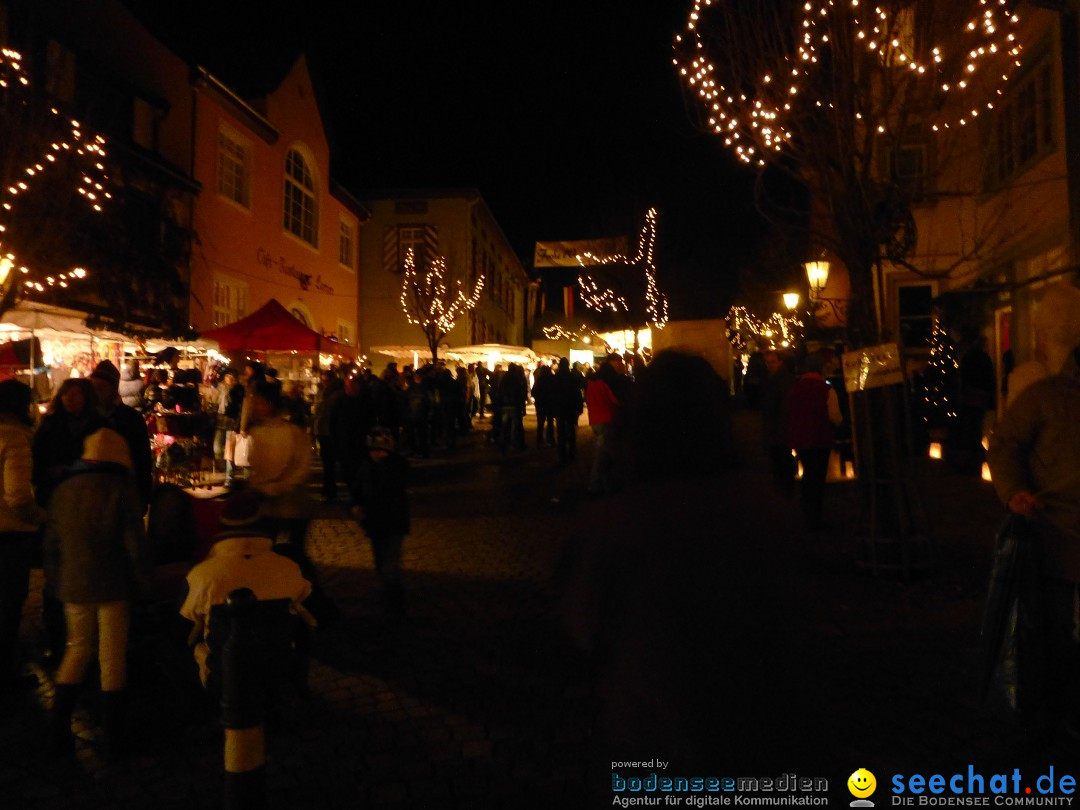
[307, 281]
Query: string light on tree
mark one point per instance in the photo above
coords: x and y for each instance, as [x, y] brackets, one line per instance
[940, 372]
[778, 331]
[750, 111]
[600, 300]
[431, 301]
[72, 147]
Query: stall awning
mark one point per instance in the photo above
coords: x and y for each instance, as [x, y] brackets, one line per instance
[271, 328]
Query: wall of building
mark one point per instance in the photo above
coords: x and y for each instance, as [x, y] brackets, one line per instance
[245, 248]
[458, 226]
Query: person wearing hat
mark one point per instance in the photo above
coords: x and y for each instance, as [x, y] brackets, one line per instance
[242, 556]
[126, 421]
[96, 562]
[382, 508]
[20, 518]
[1034, 461]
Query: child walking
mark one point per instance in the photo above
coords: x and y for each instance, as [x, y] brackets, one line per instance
[382, 509]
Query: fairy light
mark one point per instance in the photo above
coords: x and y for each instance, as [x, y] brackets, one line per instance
[939, 377]
[583, 333]
[430, 301]
[777, 331]
[760, 115]
[90, 151]
[600, 300]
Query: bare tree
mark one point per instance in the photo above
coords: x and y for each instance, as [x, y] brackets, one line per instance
[839, 96]
[52, 185]
[433, 300]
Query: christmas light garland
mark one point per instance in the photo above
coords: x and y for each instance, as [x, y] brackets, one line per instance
[433, 304]
[778, 331]
[656, 303]
[92, 186]
[757, 116]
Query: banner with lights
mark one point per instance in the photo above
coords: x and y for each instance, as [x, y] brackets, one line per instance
[565, 254]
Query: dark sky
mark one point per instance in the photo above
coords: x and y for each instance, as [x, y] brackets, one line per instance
[566, 114]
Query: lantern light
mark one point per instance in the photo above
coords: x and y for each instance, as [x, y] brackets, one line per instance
[817, 273]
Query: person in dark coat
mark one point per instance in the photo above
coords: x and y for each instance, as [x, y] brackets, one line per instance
[351, 418]
[978, 394]
[567, 404]
[417, 414]
[383, 511]
[544, 399]
[128, 423]
[331, 389]
[58, 444]
[96, 563]
[513, 394]
[774, 422]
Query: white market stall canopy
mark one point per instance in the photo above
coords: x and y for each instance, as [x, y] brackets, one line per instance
[487, 353]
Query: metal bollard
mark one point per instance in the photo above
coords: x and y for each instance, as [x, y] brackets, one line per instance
[242, 702]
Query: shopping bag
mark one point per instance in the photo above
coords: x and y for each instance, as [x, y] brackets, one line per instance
[242, 450]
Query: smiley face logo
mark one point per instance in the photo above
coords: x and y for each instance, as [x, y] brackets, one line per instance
[861, 783]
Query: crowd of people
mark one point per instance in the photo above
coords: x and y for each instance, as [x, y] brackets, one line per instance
[80, 489]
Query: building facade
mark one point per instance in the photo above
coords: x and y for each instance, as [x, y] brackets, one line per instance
[457, 225]
[270, 221]
[248, 179]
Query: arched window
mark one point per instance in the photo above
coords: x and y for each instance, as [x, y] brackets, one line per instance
[300, 208]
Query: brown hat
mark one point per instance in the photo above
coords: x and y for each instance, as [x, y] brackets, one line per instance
[105, 370]
[106, 446]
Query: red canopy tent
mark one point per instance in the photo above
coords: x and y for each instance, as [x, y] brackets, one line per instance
[272, 328]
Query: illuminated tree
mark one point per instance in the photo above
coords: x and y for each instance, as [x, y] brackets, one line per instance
[52, 185]
[831, 92]
[434, 301]
[605, 299]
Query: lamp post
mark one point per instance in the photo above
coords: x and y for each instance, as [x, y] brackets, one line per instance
[791, 300]
[817, 273]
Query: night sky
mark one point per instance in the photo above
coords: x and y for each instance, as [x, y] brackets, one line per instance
[565, 114]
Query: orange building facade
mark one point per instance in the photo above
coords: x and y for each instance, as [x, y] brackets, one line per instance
[269, 221]
[265, 217]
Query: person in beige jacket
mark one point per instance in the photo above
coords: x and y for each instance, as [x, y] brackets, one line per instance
[1034, 460]
[20, 517]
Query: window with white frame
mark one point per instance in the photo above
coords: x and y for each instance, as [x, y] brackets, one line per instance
[234, 169]
[346, 331]
[347, 243]
[230, 301]
[1023, 129]
[300, 208]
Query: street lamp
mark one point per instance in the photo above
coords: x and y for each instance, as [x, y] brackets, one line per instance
[791, 300]
[817, 273]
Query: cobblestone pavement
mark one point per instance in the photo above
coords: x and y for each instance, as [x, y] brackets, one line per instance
[479, 700]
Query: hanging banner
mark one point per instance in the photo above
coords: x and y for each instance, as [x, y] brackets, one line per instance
[872, 367]
[564, 254]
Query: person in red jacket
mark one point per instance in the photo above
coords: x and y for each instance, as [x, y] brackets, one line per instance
[813, 414]
[604, 409]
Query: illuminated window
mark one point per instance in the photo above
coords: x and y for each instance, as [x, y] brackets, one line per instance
[345, 331]
[300, 208]
[347, 244]
[234, 170]
[230, 301]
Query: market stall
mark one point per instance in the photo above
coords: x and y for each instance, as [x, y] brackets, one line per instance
[275, 336]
